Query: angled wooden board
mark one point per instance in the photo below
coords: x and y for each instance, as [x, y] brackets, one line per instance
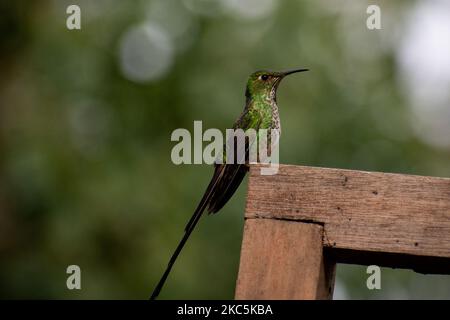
[394, 215]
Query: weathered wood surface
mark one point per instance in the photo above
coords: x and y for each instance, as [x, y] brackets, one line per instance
[283, 260]
[390, 219]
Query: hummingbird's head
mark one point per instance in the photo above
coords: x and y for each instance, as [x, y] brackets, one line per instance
[265, 83]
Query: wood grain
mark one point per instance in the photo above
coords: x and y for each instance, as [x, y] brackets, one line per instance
[283, 260]
[387, 218]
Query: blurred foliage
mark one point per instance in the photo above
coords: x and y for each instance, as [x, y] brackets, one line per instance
[85, 170]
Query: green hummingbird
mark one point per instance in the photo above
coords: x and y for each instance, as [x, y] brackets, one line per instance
[260, 112]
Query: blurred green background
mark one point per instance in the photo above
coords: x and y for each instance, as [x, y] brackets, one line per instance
[86, 117]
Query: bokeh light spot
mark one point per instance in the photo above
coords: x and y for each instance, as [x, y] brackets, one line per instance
[250, 9]
[424, 59]
[146, 53]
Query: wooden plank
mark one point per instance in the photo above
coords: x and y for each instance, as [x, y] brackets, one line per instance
[283, 260]
[366, 212]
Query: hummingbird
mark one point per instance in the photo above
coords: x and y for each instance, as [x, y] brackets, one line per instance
[260, 112]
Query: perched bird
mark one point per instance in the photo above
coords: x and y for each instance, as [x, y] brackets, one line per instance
[260, 112]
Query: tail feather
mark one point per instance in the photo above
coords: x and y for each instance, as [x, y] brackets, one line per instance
[224, 183]
[189, 228]
[206, 196]
[174, 257]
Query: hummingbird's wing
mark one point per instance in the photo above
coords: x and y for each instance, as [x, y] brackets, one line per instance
[232, 176]
[227, 177]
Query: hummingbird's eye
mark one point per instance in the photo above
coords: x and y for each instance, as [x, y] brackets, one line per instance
[264, 77]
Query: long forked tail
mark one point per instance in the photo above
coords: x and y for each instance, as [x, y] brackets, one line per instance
[175, 255]
[189, 228]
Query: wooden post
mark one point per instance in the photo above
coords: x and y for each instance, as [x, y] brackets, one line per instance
[303, 220]
[283, 260]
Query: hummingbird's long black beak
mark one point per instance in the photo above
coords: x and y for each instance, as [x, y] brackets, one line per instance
[281, 75]
[293, 71]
